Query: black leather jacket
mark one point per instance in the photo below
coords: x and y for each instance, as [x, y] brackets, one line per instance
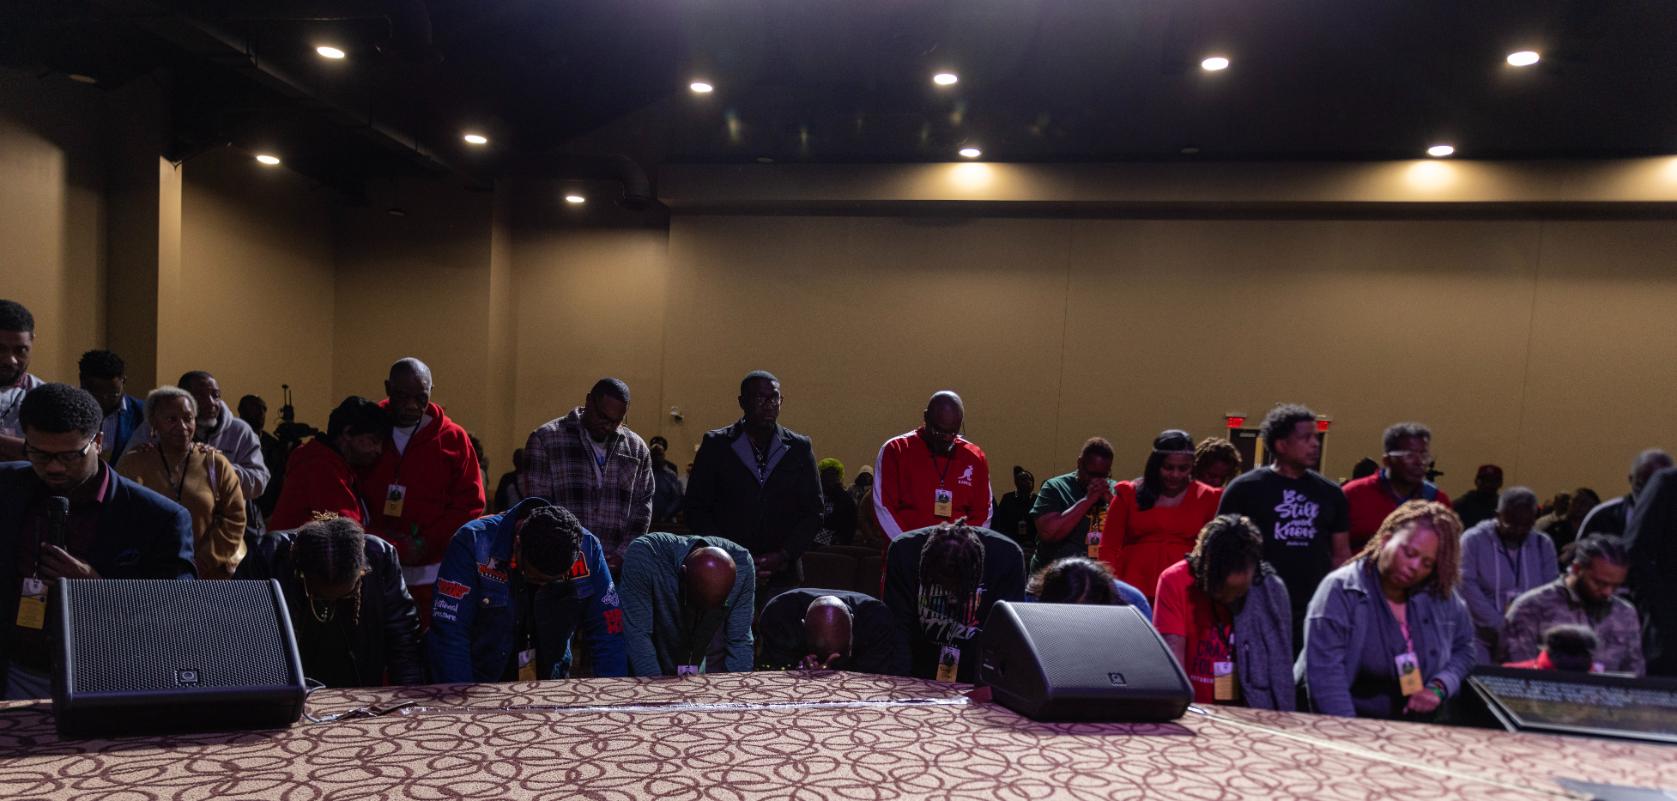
[385, 645]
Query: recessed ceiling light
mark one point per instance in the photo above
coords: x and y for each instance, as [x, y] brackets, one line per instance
[764, 160]
[1190, 151]
[1215, 64]
[575, 199]
[264, 158]
[328, 51]
[701, 88]
[946, 79]
[971, 152]
[476, 139]
[1441, 151]
[80, 78]
[1524, 58]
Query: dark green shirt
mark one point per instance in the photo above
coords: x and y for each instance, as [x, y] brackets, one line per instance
[1057, 495]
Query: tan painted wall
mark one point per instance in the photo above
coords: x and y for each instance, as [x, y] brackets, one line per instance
[52, 231]
[1517, 341]
[417, 285]
[254, 300]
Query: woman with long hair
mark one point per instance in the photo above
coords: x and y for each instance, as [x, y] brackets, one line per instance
[1155, 519]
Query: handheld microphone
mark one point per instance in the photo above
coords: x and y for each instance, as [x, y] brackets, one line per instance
[58, 518]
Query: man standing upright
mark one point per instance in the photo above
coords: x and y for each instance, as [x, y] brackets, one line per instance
[1611, 517]
[932, 474]
[1301, 515]
[104, 376]
[1402, 478]
[425, 484]
[754, 482]
[591, 463]
[17, 342]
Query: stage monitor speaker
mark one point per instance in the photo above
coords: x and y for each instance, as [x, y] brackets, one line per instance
[150, 657]
[1067, 662]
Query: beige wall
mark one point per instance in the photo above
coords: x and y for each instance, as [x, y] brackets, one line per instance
[254, 302]
[52, 209]
[417, 285]
[1543, 346]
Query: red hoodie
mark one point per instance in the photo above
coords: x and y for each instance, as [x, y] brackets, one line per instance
[317, 479]
[444, 489]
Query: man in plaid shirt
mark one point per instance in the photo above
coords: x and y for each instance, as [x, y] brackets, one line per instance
[593, 465]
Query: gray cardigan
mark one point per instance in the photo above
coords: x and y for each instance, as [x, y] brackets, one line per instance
[651, 598]
[1263, 630]
[1489, 584]
[1340, 615]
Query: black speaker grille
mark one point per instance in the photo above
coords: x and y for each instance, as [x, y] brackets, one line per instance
[133, 636]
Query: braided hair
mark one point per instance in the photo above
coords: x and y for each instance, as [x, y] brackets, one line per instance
[550, 540]
[331, 550]
[1228, 544]
[953, 558]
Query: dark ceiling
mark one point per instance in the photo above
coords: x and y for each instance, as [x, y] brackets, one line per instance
[849, 80]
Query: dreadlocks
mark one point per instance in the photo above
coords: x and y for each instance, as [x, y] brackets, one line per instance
[331, 551]
[1214, 450]
[1228, 544]
[1447, 565]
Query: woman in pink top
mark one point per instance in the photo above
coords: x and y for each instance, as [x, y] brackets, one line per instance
[1154, 519]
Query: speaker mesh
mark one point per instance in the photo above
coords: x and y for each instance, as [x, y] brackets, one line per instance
[1077, 644]
[129, 636]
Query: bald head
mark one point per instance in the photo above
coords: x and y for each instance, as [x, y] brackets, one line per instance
[827, 628]
[1647, 463]
[409, 391]
[943, 417]
[709, 576]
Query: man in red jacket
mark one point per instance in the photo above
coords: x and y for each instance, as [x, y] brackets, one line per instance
[322, 475]
[425, 485]
[932, 475]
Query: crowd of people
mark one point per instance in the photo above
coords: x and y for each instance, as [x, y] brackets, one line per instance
[1273, 586]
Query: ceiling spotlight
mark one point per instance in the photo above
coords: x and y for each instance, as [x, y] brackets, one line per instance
[575, 199]
[946, 79]
[1523, 58]
[1440, 151]
[264, 158]
[1215, 64]
[971, 152]
[476, 139]
[328, 51]
[701, 88]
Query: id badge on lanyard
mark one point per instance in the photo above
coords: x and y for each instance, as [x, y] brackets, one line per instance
[943, 503]
[32, 604]
[395, 497]
[948, 663]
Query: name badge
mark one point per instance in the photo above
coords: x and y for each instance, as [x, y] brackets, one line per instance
[394, 497]
[687, 670]
[1409, 673]
[1094, 544]
[948, 663]
[1222, 681]
[943, 503]
[527, 665]
[32, 604]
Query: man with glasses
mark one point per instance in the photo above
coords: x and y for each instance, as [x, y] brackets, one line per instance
[932, 475]
[17, 342]
[1402, 478]
[512, 590]
[591, 463]
[755, 483]
[425, 483]
[104, 375]
[67, 514]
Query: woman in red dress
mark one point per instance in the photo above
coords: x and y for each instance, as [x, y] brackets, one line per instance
[1154, 519]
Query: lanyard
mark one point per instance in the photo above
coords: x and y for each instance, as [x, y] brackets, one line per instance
[1403, 622]
[943, 474]
[1224, 631]
[595, 458]
[402, 454]
[1513, 560]
[180, 486]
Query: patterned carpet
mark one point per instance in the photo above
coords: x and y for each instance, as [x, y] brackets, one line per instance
[848, 736]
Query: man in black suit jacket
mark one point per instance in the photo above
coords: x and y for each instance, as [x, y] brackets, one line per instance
[755, 483]
[115, 528]
[1651, 538]
[831, 629]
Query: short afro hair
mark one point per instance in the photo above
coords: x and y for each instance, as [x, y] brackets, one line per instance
[1281, 421]
[59, 409]
[550, 540]
[101, 364]
[14, 317]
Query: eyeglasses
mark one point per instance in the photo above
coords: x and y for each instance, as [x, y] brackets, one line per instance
[66, 458]
[1419, 456]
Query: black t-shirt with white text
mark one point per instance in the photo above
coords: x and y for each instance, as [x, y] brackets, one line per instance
[1298, 518]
